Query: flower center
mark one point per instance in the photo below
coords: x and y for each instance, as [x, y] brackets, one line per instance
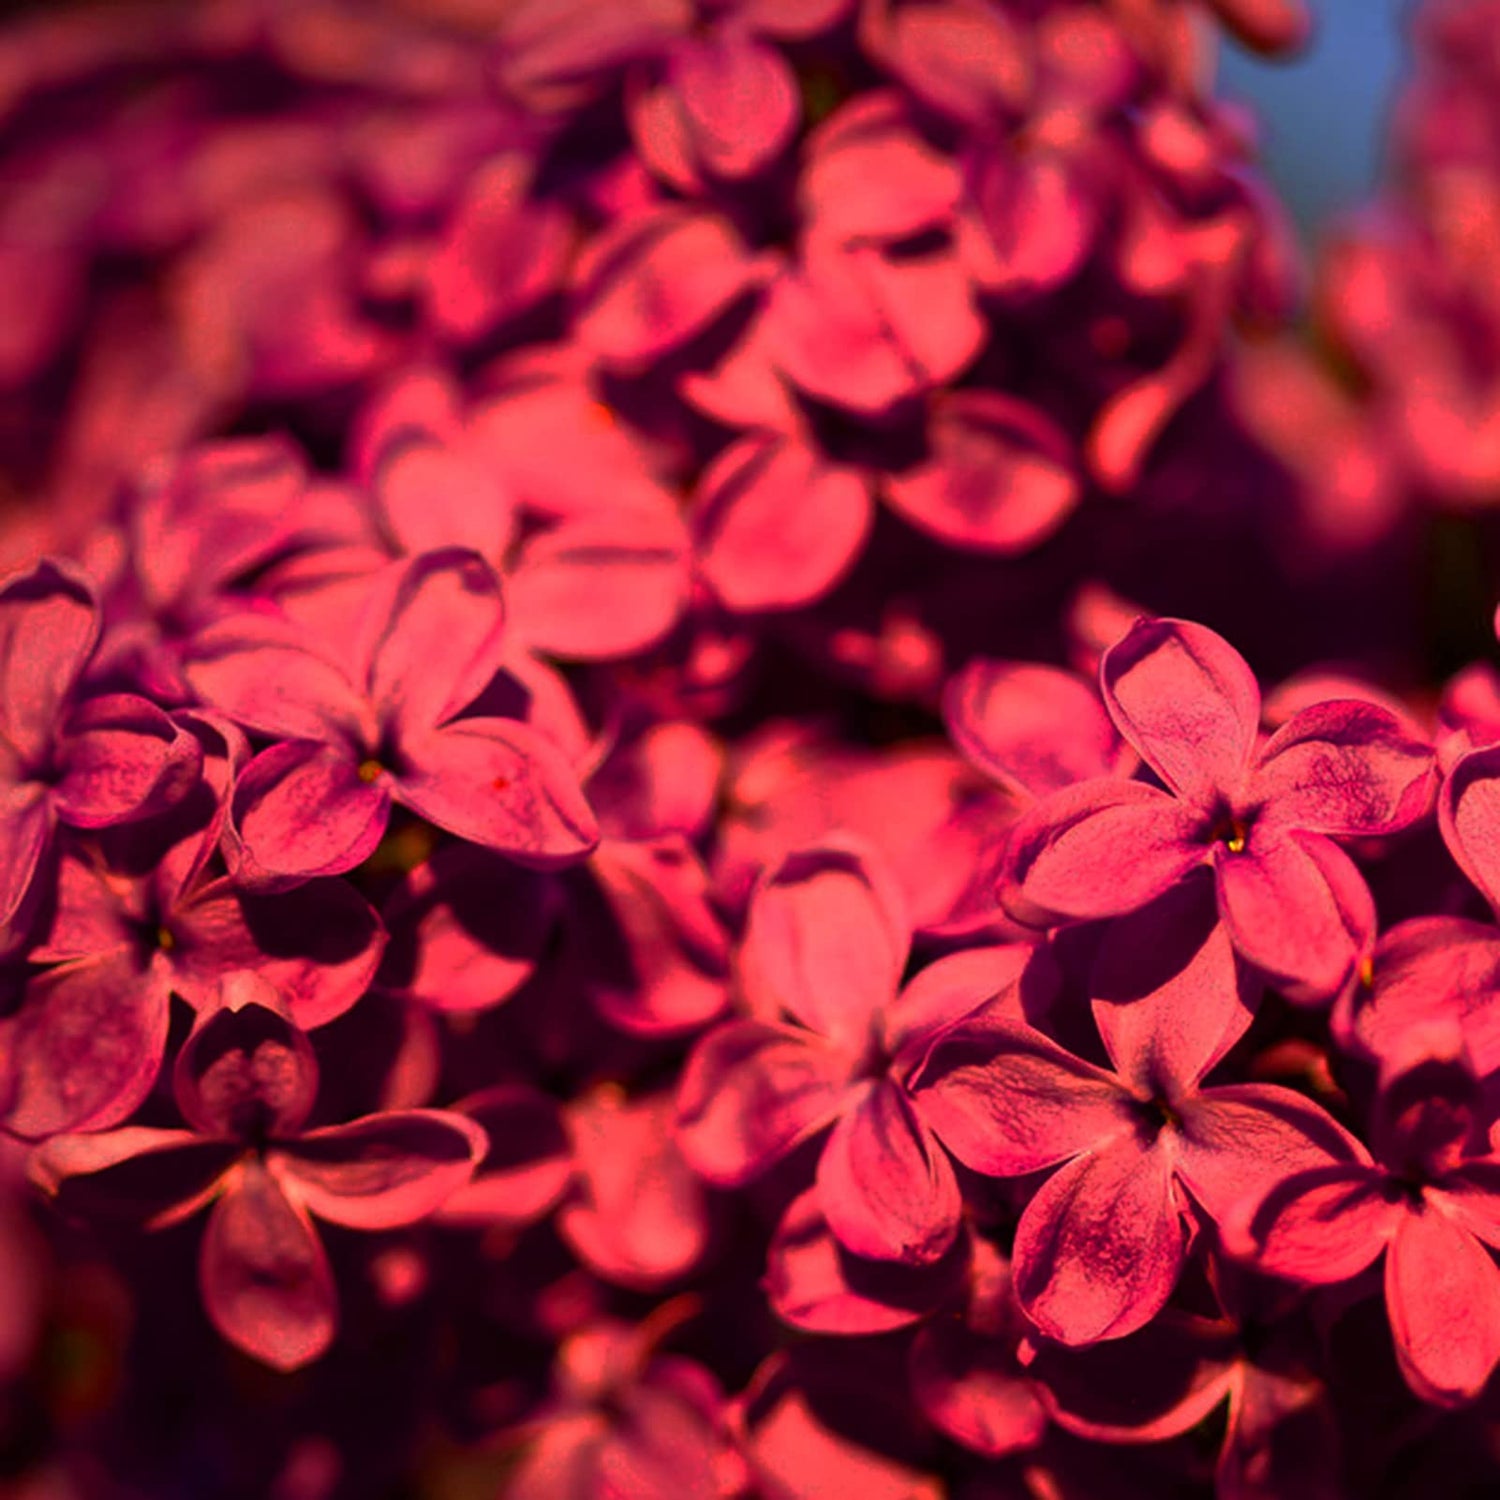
[1229, 831]
[370, 771]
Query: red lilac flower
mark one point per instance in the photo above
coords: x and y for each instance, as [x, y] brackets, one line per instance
[245, 1082]
[352, 742]
[1138, 1147]
[832, 1042]
[1429, 1202]
[1262, 817]
[67, 758]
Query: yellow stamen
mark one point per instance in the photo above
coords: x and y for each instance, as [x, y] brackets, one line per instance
[369, 771]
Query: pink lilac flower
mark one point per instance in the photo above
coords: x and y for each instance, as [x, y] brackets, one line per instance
[1262, 817]
[352, 742]
[1426, 1201]
[1140, 1148]
[245, 1082]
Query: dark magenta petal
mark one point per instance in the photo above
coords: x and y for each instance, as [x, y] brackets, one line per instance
[26, 824]
[777, 525]
[1005, 1100]
[431, 639]
[601, 587]
[1267, 25]
[1184, 697]
[1098, 849]
[885, 1185]
[1323, 1225]
[138, 1174]
[260, 673]
[1000, 476]
[1152, 1384]
[467, 930]
[1346, 769]
[123, 758]
[528, 1164]
[302, 809]
[1099, 1248]
[383, 1171]
[1237, 1143]
[85, 1046]
[825, 942]
[1442, 1288]
[246, 1072]
[265, 1280]
[658, 953]
[816, 1285]
[637, 1216]
[318, 947]
[656, 280]
[500, 784]
[1469, 815]
[1297, 908]
[1170, 995]
[1035, 729]
[750, 1092]
[49, 624]
[1429, 1113]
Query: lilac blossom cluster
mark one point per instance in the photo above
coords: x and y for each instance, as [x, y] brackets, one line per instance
[640, 860]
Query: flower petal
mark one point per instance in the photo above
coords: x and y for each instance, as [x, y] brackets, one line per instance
[885, 1186]
[1442, 1290]
[85, 1046]
[1099, 1249]
[777, 525]
[301, 809]
[1005, 1100]
[26, 825]
[123, 758]
[527, 1166]
[1346, 768]
[500, 784]
[1185, 698]
[1170, 995]
[1035, 729]
[601, 587]
[826, 940]
[1098, 849]
[1469, 816]
[49, 624]
[1297, 909]
[431, 638]
[1321, 1226]
[266, 1283]
[383, 1171]
[816, 1285]
[750, 1092]
[1239, 1142]
[138, 1174]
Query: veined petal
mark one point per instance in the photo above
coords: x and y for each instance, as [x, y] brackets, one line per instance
[1442, 1289]
[1345, 768]
[266, 1283]
[383, 1171]
[1099, 1249]
[123, 758]
[500, 784]
[302, 809]
[1296, 908]
[139, 1174]
[1321, 1226]
[26, 825]
[1185, 698]
[1005, 1100]
[1098, 849]
[885, 1185]
[49, 624]
[751, 1092]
